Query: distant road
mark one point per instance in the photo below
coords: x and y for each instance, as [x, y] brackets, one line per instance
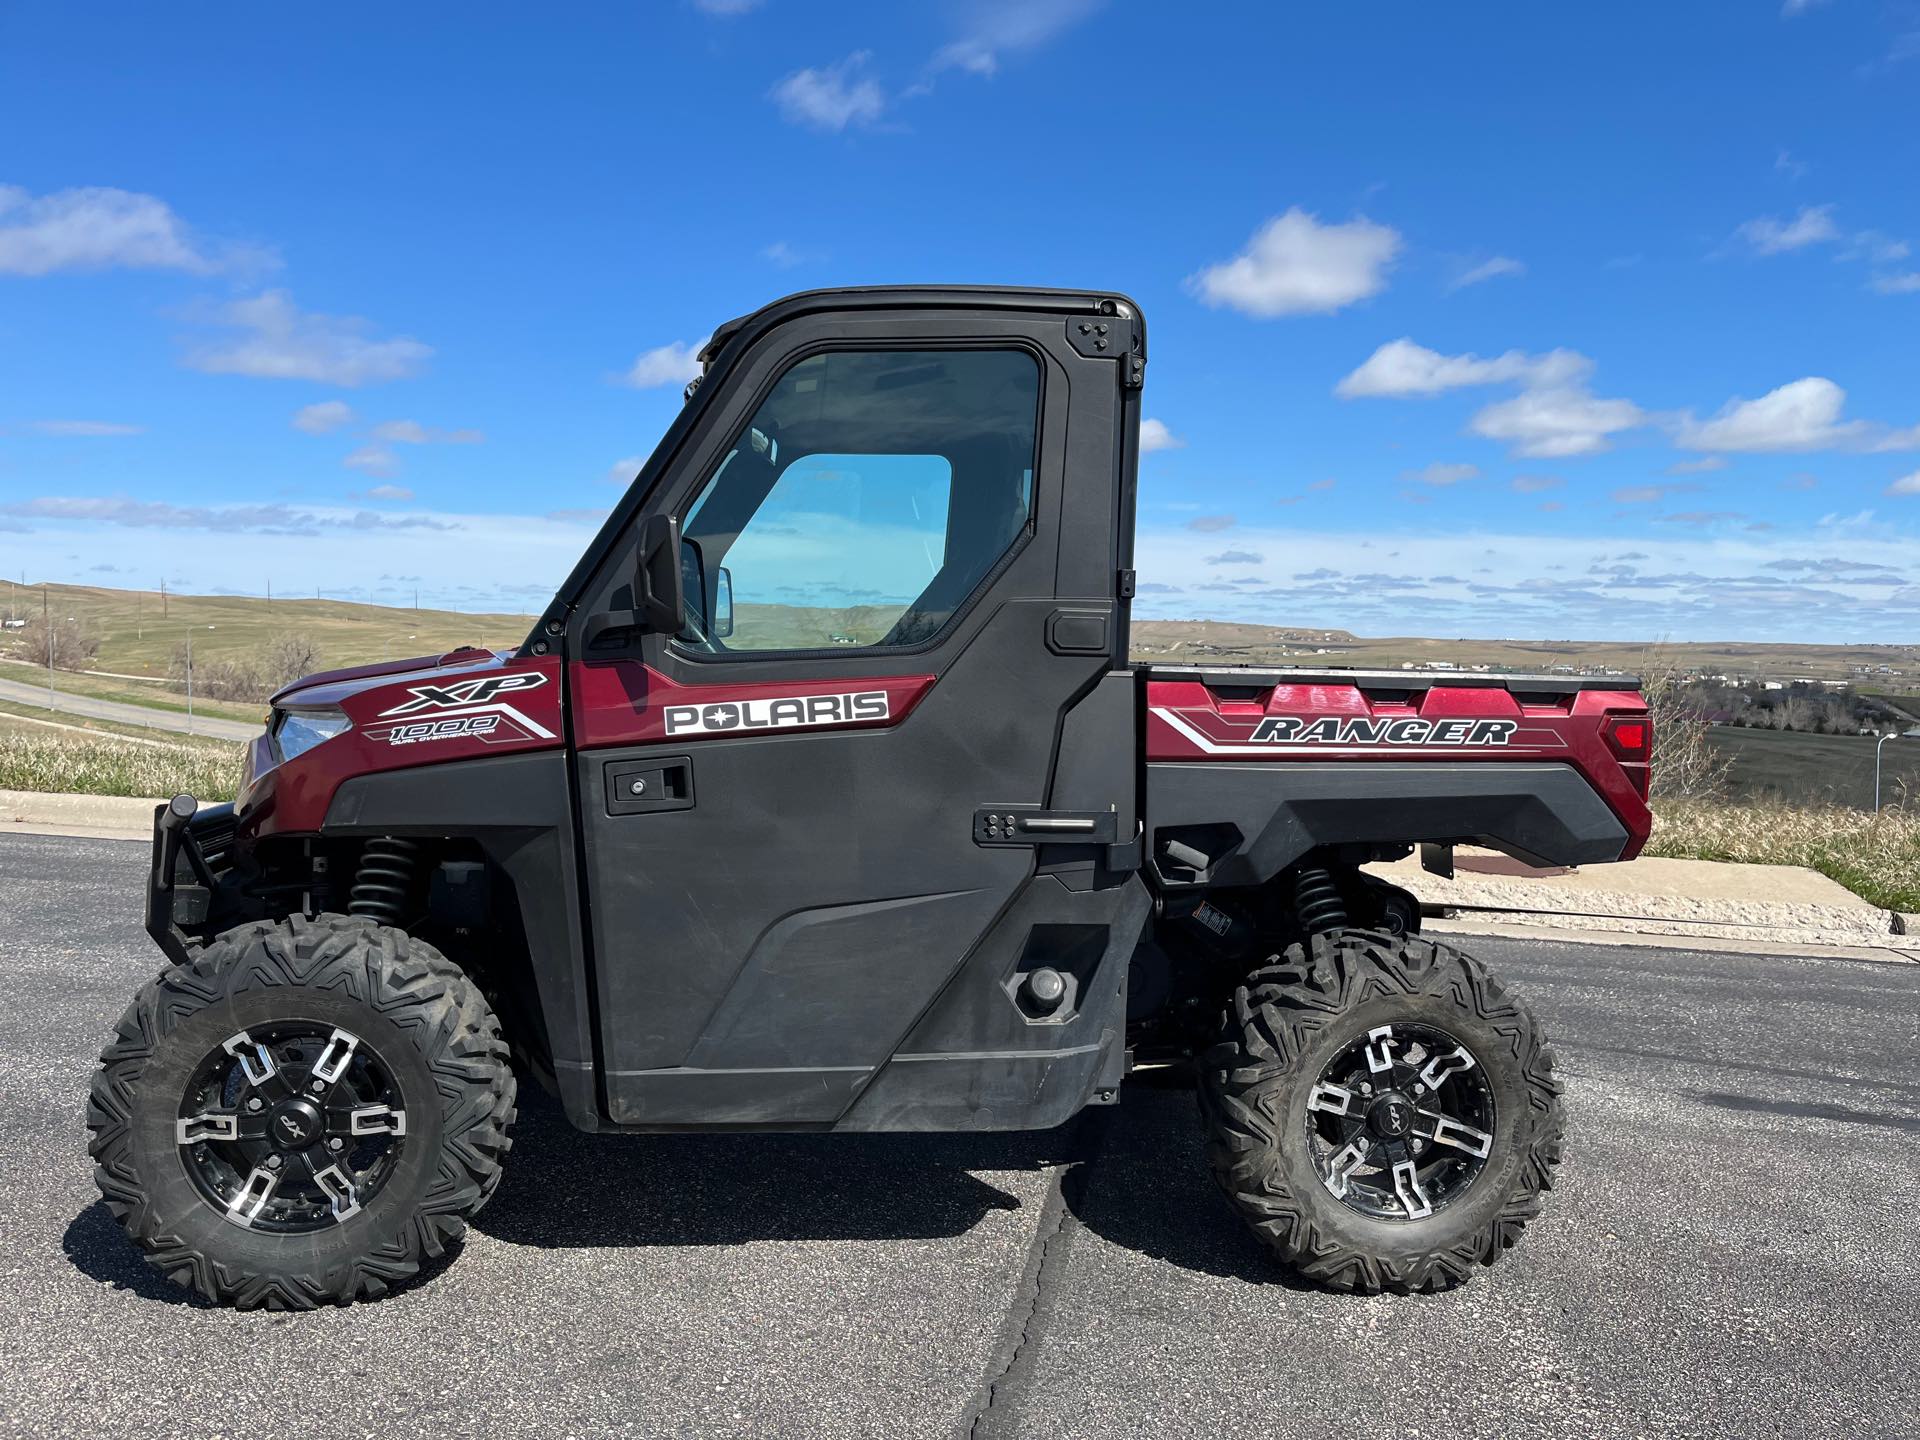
[121, 713]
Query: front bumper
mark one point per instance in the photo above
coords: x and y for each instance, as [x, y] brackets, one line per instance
[192, 846]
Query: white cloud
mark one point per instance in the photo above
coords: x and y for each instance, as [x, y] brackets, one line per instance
[673, 364]
[389, 492]
[1813, 225]
[727, 8]
[1294, 265]
[281, 342]
[1154, 435]
[1697, 467]
[783, 255]
[831, 97]
[1699, 577]
[1534, 484]
[1442, 475]
[372, 460]
[1876, 246]
[1554, 417]
[100, 228]
[85, 429]
[1488, 270]
[1905, 283]
[1400, 368]
[996, 29]
[1784, 163]
[1791, 8]
[1906, 485]
[1557, 422]
[1801, 415]
[321, 418]
[622, 471]
[412, 432]
[1211, 524]
[276, 519]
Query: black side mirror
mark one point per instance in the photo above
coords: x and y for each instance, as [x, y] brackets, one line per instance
[659, 594]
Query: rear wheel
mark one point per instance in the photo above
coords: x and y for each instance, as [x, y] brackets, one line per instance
[306, 1114]
[1381, 1112]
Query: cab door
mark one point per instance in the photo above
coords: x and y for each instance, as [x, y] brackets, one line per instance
[887, 622]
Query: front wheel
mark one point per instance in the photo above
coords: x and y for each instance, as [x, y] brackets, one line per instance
[304, 1115]
[1381, 1112]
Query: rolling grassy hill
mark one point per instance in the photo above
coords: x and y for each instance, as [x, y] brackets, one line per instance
[138, 634]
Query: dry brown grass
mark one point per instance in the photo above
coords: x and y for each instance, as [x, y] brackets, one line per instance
[1875, 856]
[76, 764]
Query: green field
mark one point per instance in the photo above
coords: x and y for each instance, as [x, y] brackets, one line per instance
[1815, 769]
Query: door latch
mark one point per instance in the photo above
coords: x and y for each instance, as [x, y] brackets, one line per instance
[1030, 825]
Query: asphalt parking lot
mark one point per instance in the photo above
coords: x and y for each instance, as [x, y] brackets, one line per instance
[1733, 1249]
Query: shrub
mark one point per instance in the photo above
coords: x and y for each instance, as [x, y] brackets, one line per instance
[74, 646]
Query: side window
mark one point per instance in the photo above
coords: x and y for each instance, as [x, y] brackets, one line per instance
[864, 502]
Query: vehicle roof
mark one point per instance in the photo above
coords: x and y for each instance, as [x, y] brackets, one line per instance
[880, 297]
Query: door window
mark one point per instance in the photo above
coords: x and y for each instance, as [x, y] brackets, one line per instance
[864, 503]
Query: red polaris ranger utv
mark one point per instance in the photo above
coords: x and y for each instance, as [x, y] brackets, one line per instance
[823, 797]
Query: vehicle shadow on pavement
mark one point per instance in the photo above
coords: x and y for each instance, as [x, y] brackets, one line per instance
[100, 1249]
[1148, 1188]
[1136, 1176]
[563, 1188]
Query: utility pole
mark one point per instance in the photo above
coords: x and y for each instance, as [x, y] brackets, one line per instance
[163, 597]
[1913, 734]
[46, 624]
[189, 680]
[269, 596]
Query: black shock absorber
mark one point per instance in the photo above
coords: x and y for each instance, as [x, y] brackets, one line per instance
[385, 879]
[1317, 906]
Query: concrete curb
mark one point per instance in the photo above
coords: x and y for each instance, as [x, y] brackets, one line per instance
[1695, 899]
[94, 817]
[1469, 926]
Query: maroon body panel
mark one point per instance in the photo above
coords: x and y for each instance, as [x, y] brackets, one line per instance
[625, 702]
[1187, 720]
[404, 714]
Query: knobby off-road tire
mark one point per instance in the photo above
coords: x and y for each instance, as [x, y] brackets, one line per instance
[439, 1052]
[1283, 1029]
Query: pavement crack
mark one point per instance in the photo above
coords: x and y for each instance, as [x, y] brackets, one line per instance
[995, 1405]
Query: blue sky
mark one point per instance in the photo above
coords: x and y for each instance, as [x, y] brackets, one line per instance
[1562, 321]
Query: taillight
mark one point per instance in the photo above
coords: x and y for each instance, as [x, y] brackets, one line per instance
[1630, 738]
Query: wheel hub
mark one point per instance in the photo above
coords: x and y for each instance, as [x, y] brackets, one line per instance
[295, 1125]
[1401, 1122]
[1391, 1116]
[291, 1127]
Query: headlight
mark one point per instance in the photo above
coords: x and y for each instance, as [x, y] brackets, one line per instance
[297, 731]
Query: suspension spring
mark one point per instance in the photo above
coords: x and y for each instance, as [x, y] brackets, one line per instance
[1317, 905]
[384, 880]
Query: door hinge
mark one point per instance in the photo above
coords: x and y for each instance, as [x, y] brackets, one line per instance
[1125, 584]
[1133, 371]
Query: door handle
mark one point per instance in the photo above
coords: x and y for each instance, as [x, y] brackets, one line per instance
[1030, 825]
[648, 784]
